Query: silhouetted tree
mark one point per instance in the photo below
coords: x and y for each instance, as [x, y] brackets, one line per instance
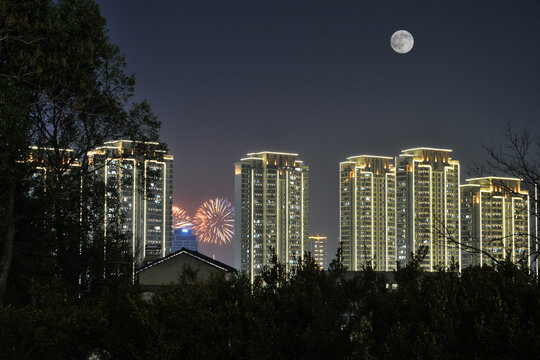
[63, 85]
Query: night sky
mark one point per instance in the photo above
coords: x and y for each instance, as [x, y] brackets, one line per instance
[319, 78]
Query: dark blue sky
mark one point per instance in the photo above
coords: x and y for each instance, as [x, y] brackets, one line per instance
[319, 78]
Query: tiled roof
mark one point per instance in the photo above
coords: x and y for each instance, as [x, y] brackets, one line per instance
[195, 254]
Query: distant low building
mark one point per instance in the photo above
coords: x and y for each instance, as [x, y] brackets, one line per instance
[184, 238]
[317, 246]
[167, 271]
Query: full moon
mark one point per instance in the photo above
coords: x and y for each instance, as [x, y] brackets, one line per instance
[402, 41]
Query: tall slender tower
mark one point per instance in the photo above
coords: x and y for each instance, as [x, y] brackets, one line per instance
[367, 212]
[428, 206]
[495, 221]
[142, 174]
[318, 247]
[271, 203]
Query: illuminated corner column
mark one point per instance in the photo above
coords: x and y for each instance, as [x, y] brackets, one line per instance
[394, 221]
[524, 204]
[400, 210]
[340, 240]
[512, 226]
[145, 202]
[524, 224]
[305, 204]
[395, 218]
[449, 224]
[445, 230]
[164, 209]
[396, 244]
[302, 215]
[264, 194]
[252, 227]
[390, 239]
[355, 219]
[385, 222]
[478, 232]
[346, 209]
[133, 211]
[106, 215]
[513, 230]
[432, 245]
[481, 227]
[522, 199]
[459, 215]
[239, 210]
[169, 162]
[133, 236]
[372, 200]
[287, 204]
[422, 231]
[477, 221]
[413, 215]
[278, 212]
[528, 231]
[536, 226]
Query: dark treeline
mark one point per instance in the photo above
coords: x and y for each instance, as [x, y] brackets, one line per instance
[481, 313]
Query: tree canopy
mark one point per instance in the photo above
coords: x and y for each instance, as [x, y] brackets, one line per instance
[63, 85]
[488, 312]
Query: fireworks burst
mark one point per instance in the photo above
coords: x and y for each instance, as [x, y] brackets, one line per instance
[180, 218]
[214, 222]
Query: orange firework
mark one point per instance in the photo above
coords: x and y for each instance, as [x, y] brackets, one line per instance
[214, 222]
[180, 218]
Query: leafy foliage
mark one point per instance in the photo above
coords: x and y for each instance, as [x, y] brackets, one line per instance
[311, 314]
[63, 85]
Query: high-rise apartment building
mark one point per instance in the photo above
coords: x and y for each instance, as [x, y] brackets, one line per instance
[318, 247]
[494, 221]
[428, 206]
[368, 213]
[44, 160]
[141, 172]
[271, 210]
[184, 238]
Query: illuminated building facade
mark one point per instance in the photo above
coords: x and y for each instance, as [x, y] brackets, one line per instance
[271, 210]
[317, 246]
[495, 221]
[142, 174]
[367, 212]
[43, 161]
[428, 207]
[42, 156]
[184, 238]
